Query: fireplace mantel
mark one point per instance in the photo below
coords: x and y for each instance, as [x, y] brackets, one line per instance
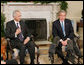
[31, 10]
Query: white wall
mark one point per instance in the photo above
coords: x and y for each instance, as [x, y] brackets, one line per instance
[74, 10]
[74, 13]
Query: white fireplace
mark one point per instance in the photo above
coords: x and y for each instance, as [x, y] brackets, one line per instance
[33, 11]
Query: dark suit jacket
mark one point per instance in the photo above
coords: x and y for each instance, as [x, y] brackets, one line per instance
[11, 29]
[57, 29]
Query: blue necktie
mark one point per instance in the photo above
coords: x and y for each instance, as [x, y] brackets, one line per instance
[20, 36]
[63, 28]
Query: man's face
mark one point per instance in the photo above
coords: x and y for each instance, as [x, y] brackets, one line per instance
[62, 16]
[17, 17]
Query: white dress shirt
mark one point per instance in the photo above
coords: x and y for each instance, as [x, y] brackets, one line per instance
[16, 26]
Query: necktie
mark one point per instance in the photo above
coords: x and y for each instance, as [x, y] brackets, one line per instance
[63, 29]
[20, 35]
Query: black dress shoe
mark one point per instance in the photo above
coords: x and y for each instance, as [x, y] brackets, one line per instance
[32, 63]
[65, 62]
[80, 56]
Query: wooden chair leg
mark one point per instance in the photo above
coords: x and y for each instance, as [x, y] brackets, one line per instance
[9, 55]
[38, 54]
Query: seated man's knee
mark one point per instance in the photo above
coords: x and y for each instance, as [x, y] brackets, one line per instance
[32, 44]
[22, 47]
[70, 45]
[56, 39]
[70, 41]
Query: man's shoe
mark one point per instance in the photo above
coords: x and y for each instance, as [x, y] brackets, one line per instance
[65, 63]
[32, 63]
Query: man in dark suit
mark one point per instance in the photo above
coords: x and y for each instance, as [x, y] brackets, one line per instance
[19, 35]
[63, 34]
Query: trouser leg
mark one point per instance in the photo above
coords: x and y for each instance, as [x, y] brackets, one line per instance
[70, 51]
[31, 49]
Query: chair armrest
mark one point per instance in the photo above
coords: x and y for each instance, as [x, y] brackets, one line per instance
[76, 35]
[38, 53]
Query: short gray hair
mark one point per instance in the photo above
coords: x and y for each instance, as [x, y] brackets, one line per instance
[14, 12]
[62, 11]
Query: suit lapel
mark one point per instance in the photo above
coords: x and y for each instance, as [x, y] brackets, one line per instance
[21, 25]
[65, 26]
[14, 26]
[60, 28]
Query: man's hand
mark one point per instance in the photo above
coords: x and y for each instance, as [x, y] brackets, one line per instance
[26, 40]
[18, 31]
[64, 43]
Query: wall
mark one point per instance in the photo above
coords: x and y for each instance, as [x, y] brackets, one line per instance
[74, 10]
[31, 10]
[48, 12]
[74, 13]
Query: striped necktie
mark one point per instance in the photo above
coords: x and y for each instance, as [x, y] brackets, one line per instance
[20, 36]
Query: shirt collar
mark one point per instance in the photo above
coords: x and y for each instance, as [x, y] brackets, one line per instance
[16, 22]
[61, 21]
